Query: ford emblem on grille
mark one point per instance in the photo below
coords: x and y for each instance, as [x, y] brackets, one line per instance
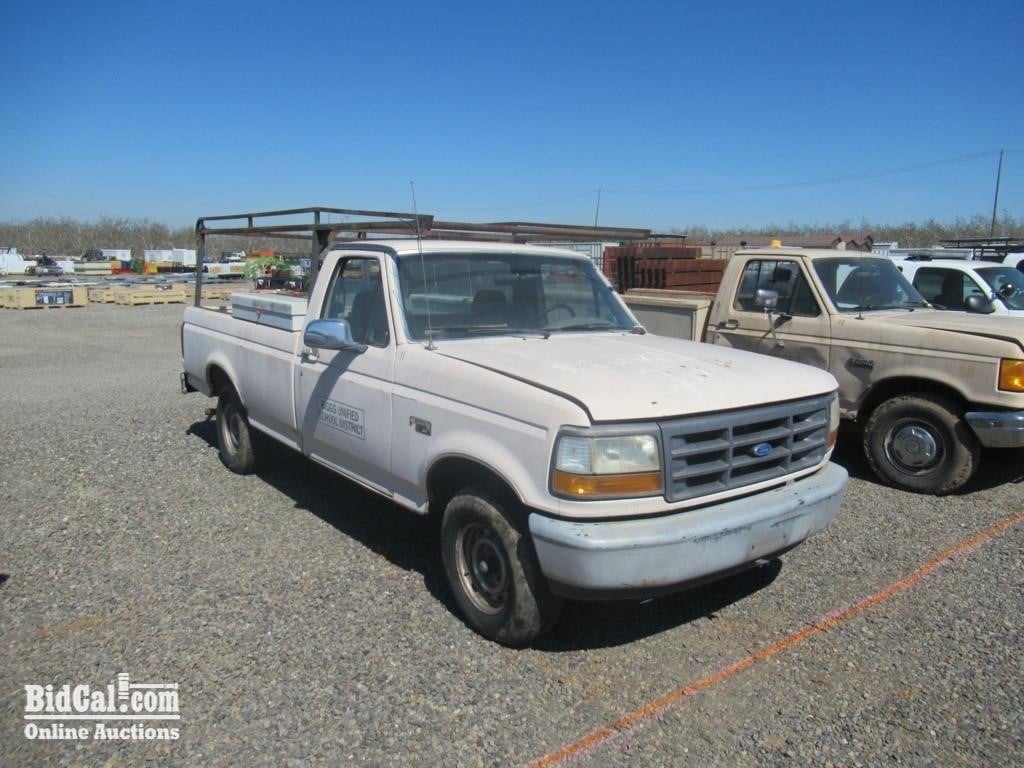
[761, 449]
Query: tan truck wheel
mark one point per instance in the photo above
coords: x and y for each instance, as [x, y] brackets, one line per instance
[493, 572]
[921, 443]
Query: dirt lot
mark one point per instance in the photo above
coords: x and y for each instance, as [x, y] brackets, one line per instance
[307, 622]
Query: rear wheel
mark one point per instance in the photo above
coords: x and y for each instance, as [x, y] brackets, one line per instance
[493, 571]
[921, 443]
[235, 436]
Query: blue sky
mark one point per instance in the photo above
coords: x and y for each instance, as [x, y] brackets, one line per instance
[680, 113]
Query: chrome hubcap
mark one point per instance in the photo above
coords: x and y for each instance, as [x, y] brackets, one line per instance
[913, 447]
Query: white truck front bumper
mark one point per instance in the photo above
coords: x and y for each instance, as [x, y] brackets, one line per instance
[663, 554]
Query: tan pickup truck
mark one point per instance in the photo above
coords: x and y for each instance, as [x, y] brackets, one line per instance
[929, 388]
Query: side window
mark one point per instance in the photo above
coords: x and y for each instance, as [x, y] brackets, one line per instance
[946, 287]
[795, 297]
[356, 295]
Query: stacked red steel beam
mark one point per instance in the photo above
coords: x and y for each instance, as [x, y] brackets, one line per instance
[661, 265]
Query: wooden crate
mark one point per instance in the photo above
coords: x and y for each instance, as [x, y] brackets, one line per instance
[43, 297]
[221, 292]
[102, 294]
[139, 295]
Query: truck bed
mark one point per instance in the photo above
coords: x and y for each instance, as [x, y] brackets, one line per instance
[258, 357]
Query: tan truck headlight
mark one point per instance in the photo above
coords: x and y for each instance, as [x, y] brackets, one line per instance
[616, 466]
[1011, 375]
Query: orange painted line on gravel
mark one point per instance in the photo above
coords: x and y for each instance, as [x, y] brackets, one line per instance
[658, 706]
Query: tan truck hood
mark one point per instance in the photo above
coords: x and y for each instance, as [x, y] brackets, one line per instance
[994, 327]
[627, 377]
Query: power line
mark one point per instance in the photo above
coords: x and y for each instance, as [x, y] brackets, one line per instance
[811, 182]
[747, 188]
[575, 196]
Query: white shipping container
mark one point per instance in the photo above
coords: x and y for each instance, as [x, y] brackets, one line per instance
[184, 256]
[12, 264]
[158, 254]
[117, 254]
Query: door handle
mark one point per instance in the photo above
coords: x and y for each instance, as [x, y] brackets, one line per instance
[310, 356]
[730, 324]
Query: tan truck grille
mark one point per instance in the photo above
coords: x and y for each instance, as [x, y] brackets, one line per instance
[725, 451]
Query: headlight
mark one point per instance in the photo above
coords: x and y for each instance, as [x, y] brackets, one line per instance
[606, 467]
[833, 422]
[1011, 375]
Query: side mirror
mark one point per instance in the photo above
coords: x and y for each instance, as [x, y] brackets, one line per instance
[978, 304]
[331, 334]
[766, 298]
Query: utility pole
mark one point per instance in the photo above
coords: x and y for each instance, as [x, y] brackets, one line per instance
[597, 212]
[995, 203]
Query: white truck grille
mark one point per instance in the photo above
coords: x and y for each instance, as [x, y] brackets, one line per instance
[726, 451]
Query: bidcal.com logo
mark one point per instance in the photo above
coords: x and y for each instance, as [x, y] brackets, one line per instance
[121, 710]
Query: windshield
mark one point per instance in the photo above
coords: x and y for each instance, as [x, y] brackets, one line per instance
[471, 294]
[1006, 283]
[858, 284]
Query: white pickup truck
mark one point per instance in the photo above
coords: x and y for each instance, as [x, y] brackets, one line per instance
[509, 390]
[950, 284]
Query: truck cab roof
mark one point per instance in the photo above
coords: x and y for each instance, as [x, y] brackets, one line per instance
[407, 246]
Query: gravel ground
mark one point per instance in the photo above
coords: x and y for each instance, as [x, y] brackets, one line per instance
[308, 622]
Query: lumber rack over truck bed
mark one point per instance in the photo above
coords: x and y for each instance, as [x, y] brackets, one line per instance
[987, 248]
[316, 225]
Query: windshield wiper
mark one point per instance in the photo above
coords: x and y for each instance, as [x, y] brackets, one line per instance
[908, 305]
[483, 330]
[592, 325]
[489, 330]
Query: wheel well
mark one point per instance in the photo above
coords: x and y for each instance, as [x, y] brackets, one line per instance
[884, 390]
[218, 379]
[453, 473]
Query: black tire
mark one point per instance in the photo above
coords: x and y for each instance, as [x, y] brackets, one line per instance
[921, 443]
[493, 571]
[236, 439]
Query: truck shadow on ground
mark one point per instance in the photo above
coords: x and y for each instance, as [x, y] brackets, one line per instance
[411, 542]
[998, 466]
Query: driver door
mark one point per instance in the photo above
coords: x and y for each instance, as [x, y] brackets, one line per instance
[343, 397]
[797, 330]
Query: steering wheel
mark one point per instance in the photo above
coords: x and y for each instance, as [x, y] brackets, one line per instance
[872, 300]
[544, 313]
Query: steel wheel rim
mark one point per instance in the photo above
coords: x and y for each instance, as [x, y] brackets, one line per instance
[483, 568]
[914, 447]
[231, 427]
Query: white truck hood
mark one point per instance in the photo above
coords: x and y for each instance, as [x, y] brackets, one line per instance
[620, 377]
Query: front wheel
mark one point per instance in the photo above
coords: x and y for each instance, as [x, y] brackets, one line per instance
[235, 436]
[921, 443]
[492, 570]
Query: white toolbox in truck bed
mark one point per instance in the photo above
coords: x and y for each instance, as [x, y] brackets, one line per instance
[275, 310]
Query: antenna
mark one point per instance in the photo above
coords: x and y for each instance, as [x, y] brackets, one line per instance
[423, 267]
[995, 202]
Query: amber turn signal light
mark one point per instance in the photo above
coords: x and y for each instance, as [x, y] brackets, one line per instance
[1011, 375]
[606, 486]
